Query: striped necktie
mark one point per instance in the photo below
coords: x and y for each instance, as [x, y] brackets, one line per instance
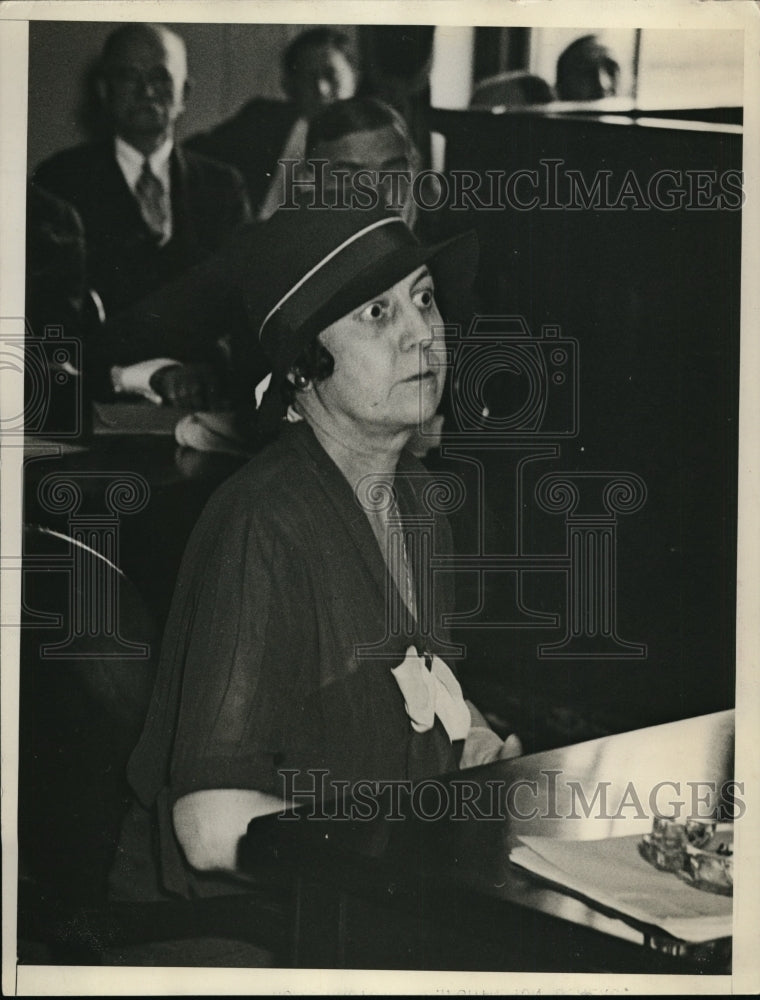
[150, 195]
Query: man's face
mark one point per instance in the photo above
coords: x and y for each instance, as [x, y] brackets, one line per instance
[321, 76]
[380, 151]
[389, 369]
[143, 88]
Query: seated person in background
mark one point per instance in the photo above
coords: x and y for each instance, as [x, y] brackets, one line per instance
[289, 571]
[356, 136]
[150, 211]
[398, 59]
[56, 297]
[316, 70]
[55, 264]
[189, 318]
[587, 71]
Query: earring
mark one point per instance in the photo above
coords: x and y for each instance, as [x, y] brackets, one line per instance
[300, 380]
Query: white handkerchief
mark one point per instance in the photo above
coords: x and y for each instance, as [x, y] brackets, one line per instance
[431, 693]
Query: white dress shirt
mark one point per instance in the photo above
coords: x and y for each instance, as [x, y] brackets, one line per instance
[131, 162]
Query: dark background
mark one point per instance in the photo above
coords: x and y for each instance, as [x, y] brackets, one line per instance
[652, 298]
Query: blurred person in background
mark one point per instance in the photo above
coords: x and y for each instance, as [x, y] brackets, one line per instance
[150, 210]
[587, 71]
[368, 139]
[317, 69]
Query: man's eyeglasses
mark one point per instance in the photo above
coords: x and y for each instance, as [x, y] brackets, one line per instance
[130, 78]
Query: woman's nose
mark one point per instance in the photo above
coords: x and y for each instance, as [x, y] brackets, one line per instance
[418, 328]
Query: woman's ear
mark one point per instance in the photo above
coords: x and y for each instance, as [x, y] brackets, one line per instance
[297, 378]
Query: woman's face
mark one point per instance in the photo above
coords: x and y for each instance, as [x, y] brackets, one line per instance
[375, 152]
[389, 370]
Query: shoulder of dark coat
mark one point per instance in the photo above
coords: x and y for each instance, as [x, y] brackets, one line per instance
[260, 107]
[278, 488]
[44, 209]
[212, 171]
[72, 162]
[254, 114]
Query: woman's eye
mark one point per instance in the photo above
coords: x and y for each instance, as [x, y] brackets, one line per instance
[423, 298]
[374, 311]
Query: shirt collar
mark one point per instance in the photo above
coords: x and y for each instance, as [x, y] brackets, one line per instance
[131, 161]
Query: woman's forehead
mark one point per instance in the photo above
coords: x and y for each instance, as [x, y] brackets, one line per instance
[405, 283]
[402, 287]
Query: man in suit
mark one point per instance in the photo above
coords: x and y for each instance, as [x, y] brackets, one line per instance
[150, 210]
[316, 70]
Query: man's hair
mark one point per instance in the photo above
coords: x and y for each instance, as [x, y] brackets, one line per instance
[123, 35]
[314, 38]
[574, 56]
[357, 114]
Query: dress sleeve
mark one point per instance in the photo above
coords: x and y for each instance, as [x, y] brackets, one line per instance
[230, 679]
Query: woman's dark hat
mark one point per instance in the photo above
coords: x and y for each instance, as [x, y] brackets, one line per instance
[314, 266]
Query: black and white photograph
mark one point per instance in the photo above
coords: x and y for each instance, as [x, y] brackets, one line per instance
[379, 486]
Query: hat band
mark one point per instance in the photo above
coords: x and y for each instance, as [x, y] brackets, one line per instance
[338, 268]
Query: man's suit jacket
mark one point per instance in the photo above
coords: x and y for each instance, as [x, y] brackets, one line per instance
[55, 264]
[252, 141]
[185, 319]
[124, 263]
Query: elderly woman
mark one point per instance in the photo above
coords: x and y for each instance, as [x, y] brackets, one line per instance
[280, 652]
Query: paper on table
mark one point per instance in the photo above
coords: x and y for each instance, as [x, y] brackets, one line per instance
[613, 873]
[34, 444]
[134, 418]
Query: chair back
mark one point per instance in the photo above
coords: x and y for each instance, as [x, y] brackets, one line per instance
[84, 693]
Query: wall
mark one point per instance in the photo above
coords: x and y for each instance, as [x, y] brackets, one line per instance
[652, 299]
[228, 64]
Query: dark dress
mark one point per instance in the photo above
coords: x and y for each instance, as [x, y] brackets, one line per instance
[262, 668]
